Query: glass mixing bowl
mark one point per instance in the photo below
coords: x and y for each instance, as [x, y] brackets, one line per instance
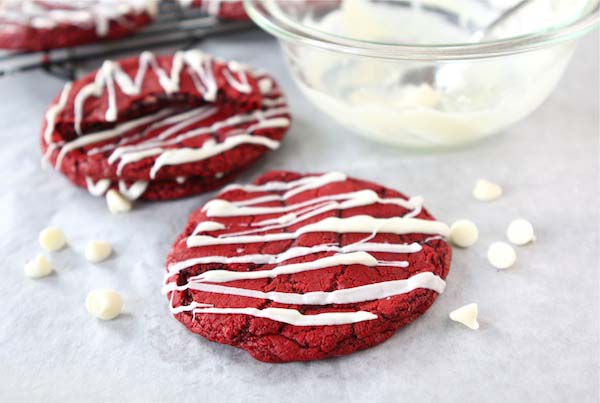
[422, 73]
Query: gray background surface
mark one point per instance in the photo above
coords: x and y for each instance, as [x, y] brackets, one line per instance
[538, 339]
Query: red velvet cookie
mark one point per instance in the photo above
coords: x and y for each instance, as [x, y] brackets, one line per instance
[48, 24]
[161, 127]
[226, 9]
[305, 267]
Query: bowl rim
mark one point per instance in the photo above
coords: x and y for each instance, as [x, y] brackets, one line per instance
[289, 30]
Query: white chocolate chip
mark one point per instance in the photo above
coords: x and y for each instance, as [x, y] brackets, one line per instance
[501, 255]
[464, 233]
[52, 239]
[520, 232]
[97, 251]
[116, 202]
[104, 303]
[485, 190]
[38, 267]
[467, 315]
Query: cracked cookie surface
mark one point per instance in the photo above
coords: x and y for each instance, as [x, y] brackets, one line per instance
[304, 267]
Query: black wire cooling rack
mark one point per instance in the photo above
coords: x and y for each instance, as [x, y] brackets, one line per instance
[172, 26]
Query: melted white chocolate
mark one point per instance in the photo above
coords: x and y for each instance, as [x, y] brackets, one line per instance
[294, 317]
[293, 187]
[134, 191]
[369, 292]
[222, 276]
[209, 149]
[355, 224]
[294, 252]
[56, 110]
[98, 188]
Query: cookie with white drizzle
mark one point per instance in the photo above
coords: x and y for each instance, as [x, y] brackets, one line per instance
[36, 25]
[304, 267]
[162, 127]
[225, 9]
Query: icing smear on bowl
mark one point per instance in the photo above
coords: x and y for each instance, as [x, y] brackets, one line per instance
[465, 100]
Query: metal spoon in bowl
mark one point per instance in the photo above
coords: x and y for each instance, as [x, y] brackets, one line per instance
[427, 75]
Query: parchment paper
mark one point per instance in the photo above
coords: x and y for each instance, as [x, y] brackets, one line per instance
[538, 339]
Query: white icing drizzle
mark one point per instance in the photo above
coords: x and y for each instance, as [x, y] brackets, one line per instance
[354, 224]
[179, 121]
[204, 79]
[190, 116]
[129, 158]
[209, 148]
[156, 134]
[97, 14]
[134, 191]
[161, 140]
[187, 308]
[294, 317]
[49, 150]
[55, 110]
[355, 199]
[291, 253]
[98, 188]
[111, 74]
[355, 256]
[241, 84]
[369, 292]
[306, 183]
[129, 154]
[173, 119]
[224, 208]
[107, 134]
[208, 226]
